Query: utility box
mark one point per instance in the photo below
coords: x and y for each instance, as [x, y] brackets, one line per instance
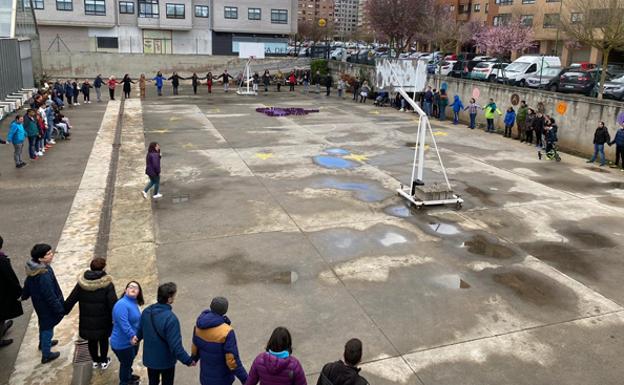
[83, 367]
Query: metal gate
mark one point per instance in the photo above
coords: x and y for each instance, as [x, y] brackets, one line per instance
[28, 79]
[11, 68]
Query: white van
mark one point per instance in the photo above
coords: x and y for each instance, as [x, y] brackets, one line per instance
[526, 66]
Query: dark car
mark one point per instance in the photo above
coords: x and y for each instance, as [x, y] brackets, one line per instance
[579, 82]
[548, 79]
[462, 68]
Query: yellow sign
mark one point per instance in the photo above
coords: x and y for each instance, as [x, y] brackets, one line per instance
[322, 22]
[562, 107]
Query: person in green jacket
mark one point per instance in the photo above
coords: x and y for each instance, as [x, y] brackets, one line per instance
[490, 111]
[32, 131]
[521, 120]
[442, 104]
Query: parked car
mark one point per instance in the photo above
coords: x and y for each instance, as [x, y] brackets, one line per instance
[584, 65]
[613, 89]
[445, 67]
[548, 79]
[526, 66]
[338, 54]
[616, 69]
[579, 82]
[488, 71]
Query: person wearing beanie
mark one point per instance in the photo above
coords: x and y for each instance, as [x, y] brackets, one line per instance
[214, 345]
[276, 365]
[10, 292]
[47, 298]
[344, 372]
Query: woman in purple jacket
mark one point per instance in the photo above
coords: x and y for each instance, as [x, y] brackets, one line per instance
[277, 366]
[152, 169]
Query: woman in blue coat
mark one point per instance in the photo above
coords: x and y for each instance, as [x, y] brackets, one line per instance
[126, 321]
[457, 106]
[47, 298]
[510, 119]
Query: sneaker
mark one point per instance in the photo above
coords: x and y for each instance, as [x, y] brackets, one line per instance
[76, 104]
[104, 365]
[159, 195]
[95, 365]
[402, 110]
[52, 141]
[134, 377]
[53, 356]
[590, 161]
[144, 194]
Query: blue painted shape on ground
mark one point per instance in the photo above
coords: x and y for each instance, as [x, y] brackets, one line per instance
[333, 162]
[363, 191]
[337, 151]
[398, 211]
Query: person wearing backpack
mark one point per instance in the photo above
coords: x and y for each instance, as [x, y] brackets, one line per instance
[162, 341]
[344, 372]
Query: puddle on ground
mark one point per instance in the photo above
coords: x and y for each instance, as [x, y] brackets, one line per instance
[443, 228]
[398, 211]
[587, 238]
[537, 289]
[241, 271]
[363, 191]
[337, 151]
[333, 162]
[484, 196]
[612, 185]
[480, 245]
[451, 281]
[563, 257]
[391, 238]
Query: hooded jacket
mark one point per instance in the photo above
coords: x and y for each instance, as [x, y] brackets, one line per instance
[96, 296]
[152, 164]
[619, 138]
[214, 344]
[510, 118]
[457, 104]
[159, 80]
[271, 370]
[47, 298]
[17, 133]
[490, 110]
[10, 290]
[160, 331]
[338, 373]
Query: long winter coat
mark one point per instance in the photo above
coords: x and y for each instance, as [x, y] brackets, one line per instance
[95, 294]
[270, 370]
[47, 298]
[152, 164]
[10, 290]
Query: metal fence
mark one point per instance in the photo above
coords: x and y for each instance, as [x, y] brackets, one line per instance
[11, 68]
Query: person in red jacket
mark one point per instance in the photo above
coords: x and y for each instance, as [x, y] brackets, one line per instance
[292, 80]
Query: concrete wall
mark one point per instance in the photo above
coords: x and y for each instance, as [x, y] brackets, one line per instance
[89, 64]
[576, 126]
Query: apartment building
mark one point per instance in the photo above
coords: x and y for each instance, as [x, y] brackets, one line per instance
[310, 11]
[167, 27]
[346, 18]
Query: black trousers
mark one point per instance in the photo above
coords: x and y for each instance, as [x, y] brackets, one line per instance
[111, 93]
[156, 375]
[195, 89]
[529, 136]
[538, 137]
[98, 355]
[619, 155]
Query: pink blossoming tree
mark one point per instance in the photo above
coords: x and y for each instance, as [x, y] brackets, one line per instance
[502, 40]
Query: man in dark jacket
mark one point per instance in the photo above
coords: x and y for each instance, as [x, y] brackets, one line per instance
[619, 147]
[328, 83]
[97, 84]
[47, 298]
[355, 87]
[347, 372]
[521, 120]
[175, 82]
[538, 128]
[160, 330]
[10, 292]
[601, 136]
[214, 343]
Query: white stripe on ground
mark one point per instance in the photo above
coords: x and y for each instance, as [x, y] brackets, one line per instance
[75, 249]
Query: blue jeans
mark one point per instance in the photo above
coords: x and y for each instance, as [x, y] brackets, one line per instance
[45, 341]
[442, 113]
[455, 117]
[126, 358]
[32, 143]
[473, 119]
[428, 108]
[599, 148]
[490, 125]
[154, 182]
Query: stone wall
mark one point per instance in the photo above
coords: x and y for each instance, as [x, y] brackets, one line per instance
[89, 64]
[576, 125]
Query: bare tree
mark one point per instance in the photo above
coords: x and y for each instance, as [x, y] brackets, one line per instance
[595, 23]
[399, 21]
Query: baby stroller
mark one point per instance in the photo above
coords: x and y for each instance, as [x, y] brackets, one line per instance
[551, 152]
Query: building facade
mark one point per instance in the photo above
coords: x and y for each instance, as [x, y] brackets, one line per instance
[311, 11]
[346, 18]
[163, 27]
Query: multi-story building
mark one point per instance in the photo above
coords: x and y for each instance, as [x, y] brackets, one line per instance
[173, 26]
[310, 11]
[346, 18]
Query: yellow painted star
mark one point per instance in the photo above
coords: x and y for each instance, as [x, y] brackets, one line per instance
[440, 133]
[264, 155]
[188, 145]
[357, 157]
[174, 118]
[374, 112]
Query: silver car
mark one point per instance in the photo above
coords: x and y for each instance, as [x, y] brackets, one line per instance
[613, 89]
[549, 79]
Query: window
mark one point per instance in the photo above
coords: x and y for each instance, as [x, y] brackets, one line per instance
[148, 8]
[464, 8]
[487, 7]
[64, 5]
[528, 1]
[175, 11]
[551, 20]
[95, 7]
[504, 2]
[477, 7]
[201, 11]
[38, 4]
[576, 17]
[230, 12]
[279, 16]
[501, 19]
[452, 8]
[254, 13]
[126, 7]
[107, 42]
[553, 1]
[526, 20]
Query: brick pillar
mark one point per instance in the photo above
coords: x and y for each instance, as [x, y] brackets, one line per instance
[595, 56]
[565, 56]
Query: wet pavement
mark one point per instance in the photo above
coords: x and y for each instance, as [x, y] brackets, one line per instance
[296, 220]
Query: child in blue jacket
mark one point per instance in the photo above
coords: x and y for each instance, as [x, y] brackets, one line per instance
[510, 118]
[457, 106]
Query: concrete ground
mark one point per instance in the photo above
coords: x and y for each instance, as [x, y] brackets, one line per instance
[296, 220]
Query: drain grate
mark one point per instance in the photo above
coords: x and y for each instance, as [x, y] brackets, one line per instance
[82, 364]
[181, 198]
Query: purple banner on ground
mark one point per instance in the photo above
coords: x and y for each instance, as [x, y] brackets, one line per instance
[284, 111]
